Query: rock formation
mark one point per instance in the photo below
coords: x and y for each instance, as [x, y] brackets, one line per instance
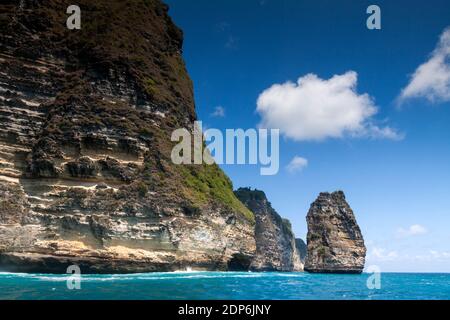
[275, 241]
[302, 249]
[335, 242]
[85, 123]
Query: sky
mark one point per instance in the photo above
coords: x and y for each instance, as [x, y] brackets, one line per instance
[359, 110]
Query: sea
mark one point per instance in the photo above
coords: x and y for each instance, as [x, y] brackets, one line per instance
[226, 286]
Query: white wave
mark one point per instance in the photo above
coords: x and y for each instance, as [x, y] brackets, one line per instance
[178, 275]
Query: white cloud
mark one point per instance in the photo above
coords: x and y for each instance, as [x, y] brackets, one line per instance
[381, 254]
[439, 254]
[374, 131]
[316, 109]
[414, 230]
[431, 80]
[219, 112]
[378, 254]
[297, 164]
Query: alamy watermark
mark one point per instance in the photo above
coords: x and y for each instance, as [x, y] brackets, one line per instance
[74, 280]
[236, 146]
[374, 20]
[74, 20]
[374, 280]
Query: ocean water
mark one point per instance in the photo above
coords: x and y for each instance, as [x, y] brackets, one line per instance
[233, 285]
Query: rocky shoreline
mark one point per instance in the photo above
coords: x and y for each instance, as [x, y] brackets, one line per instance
[339, 249]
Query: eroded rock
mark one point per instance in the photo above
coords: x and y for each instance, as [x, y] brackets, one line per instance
[335, 242]
[85, 169]
[302, 249]
[275, 242]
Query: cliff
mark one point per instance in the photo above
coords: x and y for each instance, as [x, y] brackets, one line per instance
[275, 242]
[85, 170]
[302, 249]
[335, 242]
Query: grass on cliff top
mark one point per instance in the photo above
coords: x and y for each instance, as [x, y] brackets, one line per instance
[247, 194]
[209, 181]
[134, 36]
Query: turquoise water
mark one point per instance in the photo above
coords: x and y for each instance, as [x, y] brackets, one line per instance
[217, 285]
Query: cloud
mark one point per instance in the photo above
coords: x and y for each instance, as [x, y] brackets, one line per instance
[381, 254]
[297, 164]
[382, 132]
[219, 112]
[414, 230]
[378, 254]
[431, 80]
[316, 109]
[439, 254]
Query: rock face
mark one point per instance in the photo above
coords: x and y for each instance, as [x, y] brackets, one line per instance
[302, 249]
[335, 242]
[85, 123]
[275, 242]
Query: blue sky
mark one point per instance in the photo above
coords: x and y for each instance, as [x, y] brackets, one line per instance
[399, 183]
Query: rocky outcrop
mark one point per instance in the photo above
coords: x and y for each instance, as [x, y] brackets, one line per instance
[302, 249]
[335, 242]
[85, 123]
[275, 242]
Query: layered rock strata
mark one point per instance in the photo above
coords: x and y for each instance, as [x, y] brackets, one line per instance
[275, 242]
[85, 123]
[302, 249]
[335, 243]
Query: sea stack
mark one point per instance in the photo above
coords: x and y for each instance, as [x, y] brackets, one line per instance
[335, 243]
[275, 242]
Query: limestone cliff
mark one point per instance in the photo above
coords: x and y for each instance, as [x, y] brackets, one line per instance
[275, 242]
[302, 249]
[85, 169]
[335, 242]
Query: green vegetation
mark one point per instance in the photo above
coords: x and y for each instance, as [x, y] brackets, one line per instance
[321, 251]
[247, 194]
[315, 236]
[287, 224]
[209, 181]
[142, 189]
[151, 87]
